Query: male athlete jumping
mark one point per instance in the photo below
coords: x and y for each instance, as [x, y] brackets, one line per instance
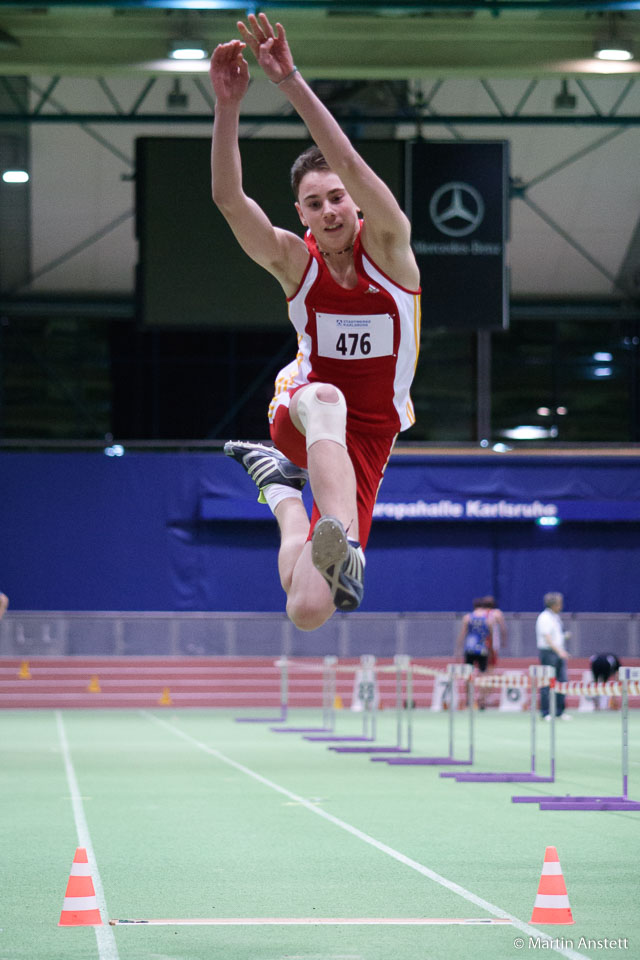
[353, 291]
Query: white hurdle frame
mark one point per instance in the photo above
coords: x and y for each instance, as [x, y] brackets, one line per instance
[401, 663]
[282, 664]
[627, 675]
[538, 675]
[329, 665]
[455, 671]
[369, 711]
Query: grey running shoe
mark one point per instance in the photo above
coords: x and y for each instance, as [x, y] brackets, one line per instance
[266, 465]
[340, 561]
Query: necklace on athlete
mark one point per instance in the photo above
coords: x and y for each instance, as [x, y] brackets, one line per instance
[335, 253]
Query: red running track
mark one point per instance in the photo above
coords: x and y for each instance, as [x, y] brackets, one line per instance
[250, 683]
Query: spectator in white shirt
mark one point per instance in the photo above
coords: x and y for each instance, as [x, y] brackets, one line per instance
[550, 638]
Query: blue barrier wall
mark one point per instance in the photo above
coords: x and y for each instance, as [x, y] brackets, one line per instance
[169, 531]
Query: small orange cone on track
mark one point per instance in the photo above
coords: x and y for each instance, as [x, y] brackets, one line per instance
[25, 672]
[94, 685]
[552, 901]
[80, 907]
[165, 700]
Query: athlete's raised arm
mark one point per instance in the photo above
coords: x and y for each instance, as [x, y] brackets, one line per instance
[387, 230]
[279, 251]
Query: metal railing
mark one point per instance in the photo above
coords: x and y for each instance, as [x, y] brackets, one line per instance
[26, 633]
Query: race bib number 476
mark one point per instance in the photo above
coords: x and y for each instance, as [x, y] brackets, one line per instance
[354, 337]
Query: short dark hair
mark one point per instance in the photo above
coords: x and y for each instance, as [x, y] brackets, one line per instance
[488, 602]
[311, 159]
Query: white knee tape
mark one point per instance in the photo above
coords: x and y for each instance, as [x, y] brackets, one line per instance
[323, 420]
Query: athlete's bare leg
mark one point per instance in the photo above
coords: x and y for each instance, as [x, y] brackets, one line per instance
[331, 473]
[333, 482]
[309, 602]
[327, 572]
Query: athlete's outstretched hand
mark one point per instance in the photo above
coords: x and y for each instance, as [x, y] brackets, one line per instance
[270, 48]
[229, 72]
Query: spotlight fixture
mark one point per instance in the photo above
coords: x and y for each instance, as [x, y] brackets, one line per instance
[188, 48]
[564, 100]
[177, 98]
[612, 42]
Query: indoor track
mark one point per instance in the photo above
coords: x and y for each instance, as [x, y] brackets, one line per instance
[189, 815]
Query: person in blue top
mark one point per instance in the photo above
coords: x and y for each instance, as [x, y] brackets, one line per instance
[476, 637]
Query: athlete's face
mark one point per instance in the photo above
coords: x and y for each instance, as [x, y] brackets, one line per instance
[325, 207]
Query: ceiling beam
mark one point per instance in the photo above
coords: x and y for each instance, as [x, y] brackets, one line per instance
[277, 119]
[342, 6]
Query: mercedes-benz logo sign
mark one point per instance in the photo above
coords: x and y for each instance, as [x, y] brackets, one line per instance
[456, 209]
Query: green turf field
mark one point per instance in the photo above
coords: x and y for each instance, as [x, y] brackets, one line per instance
[187, 814]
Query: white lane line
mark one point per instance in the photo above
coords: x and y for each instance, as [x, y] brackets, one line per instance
[316, 922]
[107, 949]
[525, 928]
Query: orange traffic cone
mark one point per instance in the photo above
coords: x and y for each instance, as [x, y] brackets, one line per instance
[165, 700]
[552, 901]
[25, 672]
[94, 685]
[80, 907]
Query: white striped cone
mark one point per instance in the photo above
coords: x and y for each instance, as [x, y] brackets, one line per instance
[80, 906]
[552, 901]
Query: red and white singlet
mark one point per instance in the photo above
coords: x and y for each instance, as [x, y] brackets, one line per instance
[365, 341]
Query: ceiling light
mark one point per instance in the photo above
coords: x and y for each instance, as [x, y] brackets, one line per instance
[188, 48]
[15, 176]
[603, 357]
[618, 52]
[610, 51]
[613, 43]
[548, 521]
[528, 432]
